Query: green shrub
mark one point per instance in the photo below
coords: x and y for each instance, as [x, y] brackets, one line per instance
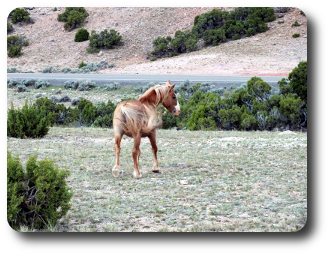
[27, 122]
[14, 45]
[214, 36]
[15, 51]
[153, 59]
[20, 15]
[248, 121]
[87, 112]
[230, 118]
[28, 83]
[81, 35]
[112, 86]
[104, 115]
[9, 27]
[258, 89]
[41, 84]
[104, 40]
[296, 24]
[13, 70]
[215, 27]
[21, 88]
[298, 80]
[291, 108]
[161, 46]
[86, 85]
[82, 64]
[37, 197]
[56, 113]
[49, 69]
[73, 17]
[295, 35]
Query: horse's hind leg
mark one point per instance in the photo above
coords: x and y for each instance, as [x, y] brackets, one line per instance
[118, 136]
[152, 138]
[136, 155]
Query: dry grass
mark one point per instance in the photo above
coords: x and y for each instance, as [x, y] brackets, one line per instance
[237, 181]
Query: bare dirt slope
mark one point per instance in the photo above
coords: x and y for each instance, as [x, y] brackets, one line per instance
[274, 52]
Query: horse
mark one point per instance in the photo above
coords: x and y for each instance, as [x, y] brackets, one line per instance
[138, 118]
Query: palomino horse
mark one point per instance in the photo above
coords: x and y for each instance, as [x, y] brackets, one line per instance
[138, 118]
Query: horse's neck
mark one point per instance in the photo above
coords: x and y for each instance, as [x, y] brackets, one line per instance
[151, 102]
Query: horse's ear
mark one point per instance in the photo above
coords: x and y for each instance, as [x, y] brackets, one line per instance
[169, 82]
[172, 86]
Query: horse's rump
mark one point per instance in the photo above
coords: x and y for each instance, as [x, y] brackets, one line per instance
[137, 117]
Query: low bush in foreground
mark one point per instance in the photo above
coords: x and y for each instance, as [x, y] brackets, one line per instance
[38, 196]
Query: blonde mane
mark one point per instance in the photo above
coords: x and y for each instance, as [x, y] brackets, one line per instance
[161, 93]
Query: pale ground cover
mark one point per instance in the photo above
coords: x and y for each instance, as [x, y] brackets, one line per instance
[237, 181]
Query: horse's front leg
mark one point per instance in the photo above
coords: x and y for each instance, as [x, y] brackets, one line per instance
[152, 138]
[136, 156]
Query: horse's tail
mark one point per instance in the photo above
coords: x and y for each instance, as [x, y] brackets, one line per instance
[137, 119]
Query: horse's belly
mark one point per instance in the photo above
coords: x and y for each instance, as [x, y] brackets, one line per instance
[142, 135]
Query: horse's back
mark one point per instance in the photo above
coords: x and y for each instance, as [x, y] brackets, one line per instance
[130, 116]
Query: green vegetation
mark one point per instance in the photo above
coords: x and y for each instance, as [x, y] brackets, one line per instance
[81, 35]
[258, 107]
[295, 35]
[104, 40]
[27, 122]
[9, 27]
[73, 17]
[38, 196]
[20, 15]
[252, 181]
[252, 106]
[82, 64]
[15, 44]
[213, 28]
[296, 24]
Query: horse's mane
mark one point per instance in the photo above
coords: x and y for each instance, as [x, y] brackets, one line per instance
[161, 93]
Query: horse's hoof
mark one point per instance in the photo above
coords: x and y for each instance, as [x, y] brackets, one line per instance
[137, 176]
[115, 172]
[156, 171]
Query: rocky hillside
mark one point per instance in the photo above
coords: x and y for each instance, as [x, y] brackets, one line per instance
[274, 52]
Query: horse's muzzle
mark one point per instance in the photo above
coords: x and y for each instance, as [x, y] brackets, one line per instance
[176, 112]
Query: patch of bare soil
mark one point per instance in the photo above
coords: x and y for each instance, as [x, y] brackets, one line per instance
[274, 52]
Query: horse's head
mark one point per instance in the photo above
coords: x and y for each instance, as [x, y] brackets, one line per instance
[171, 102]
